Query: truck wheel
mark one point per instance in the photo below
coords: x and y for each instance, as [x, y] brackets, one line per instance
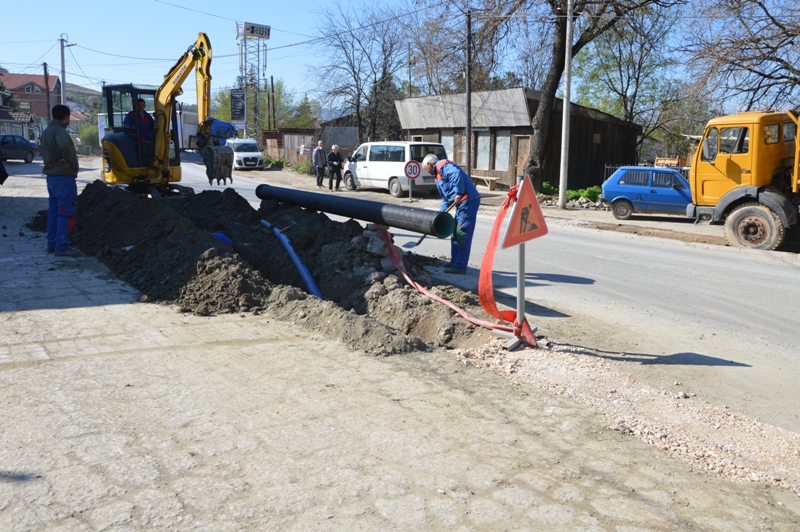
[622, 209]
[394, 187]
[29, 157]
[754, 226]
[349, 182]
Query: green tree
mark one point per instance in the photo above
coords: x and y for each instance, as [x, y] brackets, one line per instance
[303, 115]
[626, 71]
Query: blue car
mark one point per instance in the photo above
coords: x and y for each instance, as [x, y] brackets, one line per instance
[646, 190]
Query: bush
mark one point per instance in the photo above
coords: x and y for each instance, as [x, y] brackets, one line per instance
[592, 193]
[549, 189]
[302, 168]
[90, 136]
[573, 194]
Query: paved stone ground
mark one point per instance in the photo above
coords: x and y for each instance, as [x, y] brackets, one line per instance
[118, 415]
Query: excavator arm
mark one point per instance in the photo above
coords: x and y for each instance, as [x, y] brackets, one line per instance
[218, 159]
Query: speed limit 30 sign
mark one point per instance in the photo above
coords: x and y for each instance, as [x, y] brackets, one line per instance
[413, 169]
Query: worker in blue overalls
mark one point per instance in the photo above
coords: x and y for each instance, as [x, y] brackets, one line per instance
[456, 187]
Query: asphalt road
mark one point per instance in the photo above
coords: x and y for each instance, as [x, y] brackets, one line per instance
[719, 320]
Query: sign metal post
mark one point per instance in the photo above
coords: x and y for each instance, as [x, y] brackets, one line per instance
[412, 170]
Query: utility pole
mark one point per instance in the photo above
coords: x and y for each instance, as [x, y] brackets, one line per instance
[468, 132]
[47, 91]
[64, 44]
[408, 131]
[63, 73]
[565, 109]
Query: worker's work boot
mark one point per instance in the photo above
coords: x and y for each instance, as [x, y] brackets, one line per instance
[68, 253]
[455, 271]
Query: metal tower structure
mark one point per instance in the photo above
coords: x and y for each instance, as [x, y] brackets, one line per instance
[252, 72]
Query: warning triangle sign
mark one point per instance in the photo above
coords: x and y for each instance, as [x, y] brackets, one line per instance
[527, 221]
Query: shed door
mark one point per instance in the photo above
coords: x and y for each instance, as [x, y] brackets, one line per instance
[523, 149]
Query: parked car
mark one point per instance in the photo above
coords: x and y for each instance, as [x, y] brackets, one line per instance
[246, 154]
[16, 147]
[633, 189]
[382, 165]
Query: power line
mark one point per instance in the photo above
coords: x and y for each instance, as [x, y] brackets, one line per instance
[36, 62]
[78, 64]
[25, 42]
[224, 18]
[123, 56]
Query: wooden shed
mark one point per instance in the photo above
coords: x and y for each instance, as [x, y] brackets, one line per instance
[501, 134]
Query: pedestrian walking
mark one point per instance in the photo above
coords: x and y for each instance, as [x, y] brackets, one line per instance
[455, 186]
[319, 160]
[61, 168]
[335, 162]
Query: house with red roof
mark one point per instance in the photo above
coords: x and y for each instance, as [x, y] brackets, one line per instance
[30, 91]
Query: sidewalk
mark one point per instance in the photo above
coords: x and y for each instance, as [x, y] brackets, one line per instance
[120, 415]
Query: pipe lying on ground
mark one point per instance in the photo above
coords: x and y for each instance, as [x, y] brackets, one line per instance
[301, 268]
[432, 223]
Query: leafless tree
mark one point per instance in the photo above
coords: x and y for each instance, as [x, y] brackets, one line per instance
[749, 50]
[361, 54]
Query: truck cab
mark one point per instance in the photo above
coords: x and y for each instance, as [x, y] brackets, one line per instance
[744, 175]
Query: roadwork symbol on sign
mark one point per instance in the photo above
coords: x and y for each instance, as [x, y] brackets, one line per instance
[527, 221]
[413, 169]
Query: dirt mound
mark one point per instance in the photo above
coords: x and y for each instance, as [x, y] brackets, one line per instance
[164, 248]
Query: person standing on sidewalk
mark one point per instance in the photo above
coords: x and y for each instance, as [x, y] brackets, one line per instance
[61, 168]
[455, 186]
[318, 159]
[335, 161]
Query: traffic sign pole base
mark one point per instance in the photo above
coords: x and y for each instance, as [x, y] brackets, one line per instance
[503, 334]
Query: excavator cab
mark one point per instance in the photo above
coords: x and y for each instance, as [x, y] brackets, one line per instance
[128, 144]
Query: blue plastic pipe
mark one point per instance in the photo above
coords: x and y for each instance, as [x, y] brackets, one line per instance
[301, 268]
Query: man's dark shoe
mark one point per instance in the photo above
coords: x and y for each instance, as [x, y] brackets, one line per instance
[50, 250]
[68, 253]
[455, 271]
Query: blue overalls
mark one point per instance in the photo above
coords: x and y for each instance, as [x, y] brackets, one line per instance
[452, 181]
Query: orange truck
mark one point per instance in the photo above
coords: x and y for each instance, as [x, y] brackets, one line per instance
[745, 175]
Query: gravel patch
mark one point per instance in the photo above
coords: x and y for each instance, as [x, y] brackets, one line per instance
[711, 437]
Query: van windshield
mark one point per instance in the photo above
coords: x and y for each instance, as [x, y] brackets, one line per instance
[419, 151]
[249, 148]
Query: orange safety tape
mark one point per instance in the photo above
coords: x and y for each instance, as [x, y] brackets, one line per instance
[485, 286]
[398, 263]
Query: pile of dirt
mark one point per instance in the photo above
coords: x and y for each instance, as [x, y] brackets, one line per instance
[164, 248]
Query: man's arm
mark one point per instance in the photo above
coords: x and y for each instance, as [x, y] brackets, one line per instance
[64, 144]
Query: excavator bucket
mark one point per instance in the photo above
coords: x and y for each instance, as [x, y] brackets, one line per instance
[219, 163]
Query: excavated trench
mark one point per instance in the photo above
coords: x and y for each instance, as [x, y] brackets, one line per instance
[164, 248]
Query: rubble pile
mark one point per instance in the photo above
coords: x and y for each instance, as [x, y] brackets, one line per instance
[164, 248]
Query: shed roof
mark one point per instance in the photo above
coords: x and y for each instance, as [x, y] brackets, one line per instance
[15, 116]
[502, 108]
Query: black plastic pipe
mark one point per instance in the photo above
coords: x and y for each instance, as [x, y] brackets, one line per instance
[439, 224]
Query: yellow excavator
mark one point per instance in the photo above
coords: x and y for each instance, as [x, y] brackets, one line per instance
[139, 150]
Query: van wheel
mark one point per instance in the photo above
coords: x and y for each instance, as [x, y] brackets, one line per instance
[394, 187]
[29, 157]
[349, 182]
[754, 226]
[622, 209]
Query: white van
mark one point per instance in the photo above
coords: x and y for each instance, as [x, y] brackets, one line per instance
[382, 165]
[246, 154]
